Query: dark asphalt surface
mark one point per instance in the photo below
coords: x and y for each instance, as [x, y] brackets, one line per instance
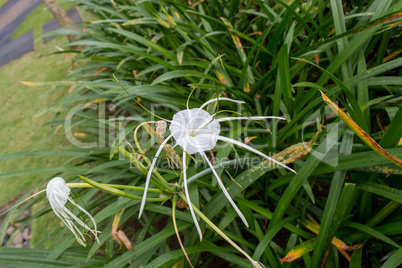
[19, 9]
[12, 14]
[16, 48]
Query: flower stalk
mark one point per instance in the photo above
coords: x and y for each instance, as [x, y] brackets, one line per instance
[221, 233]
[160, 182]
[115, 191]
[116, 186]
[174, 201]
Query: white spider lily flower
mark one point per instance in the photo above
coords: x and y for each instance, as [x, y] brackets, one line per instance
[57, 193]
[196, 131]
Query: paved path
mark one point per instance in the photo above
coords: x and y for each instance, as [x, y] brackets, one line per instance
[12, 14]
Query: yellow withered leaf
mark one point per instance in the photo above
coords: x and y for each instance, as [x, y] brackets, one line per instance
[115, 25]
[360, 132]
[101, 70]
[115, 226]
[248, 139]
[298, 150]
[122, 236]
[119, 235]
[299, 251]
[313, 226]
[94, 102]
[30, 84]
[221, 78]
[79, 134]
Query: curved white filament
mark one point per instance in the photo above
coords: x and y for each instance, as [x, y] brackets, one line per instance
[249, 118]
[225, 192]
[222, 98]
[61, 214]
[150, 173]
[95, 231]
[240, 144]
[188, 196]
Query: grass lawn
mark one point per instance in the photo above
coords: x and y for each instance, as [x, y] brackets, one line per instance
[21, 126]
[21, 129]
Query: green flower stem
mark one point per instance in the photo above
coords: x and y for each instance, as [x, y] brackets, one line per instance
[117, 192]
[181, 178]
[219, 231]
[116, 186]
[161, 183]
[142, 152]
[174, 201]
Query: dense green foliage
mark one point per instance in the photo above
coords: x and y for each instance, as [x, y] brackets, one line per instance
[273, 55]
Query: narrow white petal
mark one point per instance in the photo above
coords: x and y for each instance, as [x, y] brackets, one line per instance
[257, 264]
[188, 196]
[222, 98]
[60, 212]
[150, 173]
[81, 238]
[80, 223]
[240, 144]
[249, 118]
[95, 231]
[225, 192]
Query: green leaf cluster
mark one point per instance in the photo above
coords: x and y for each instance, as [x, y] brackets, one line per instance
[273, 55]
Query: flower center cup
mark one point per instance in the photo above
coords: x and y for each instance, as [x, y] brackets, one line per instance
[195, 130]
